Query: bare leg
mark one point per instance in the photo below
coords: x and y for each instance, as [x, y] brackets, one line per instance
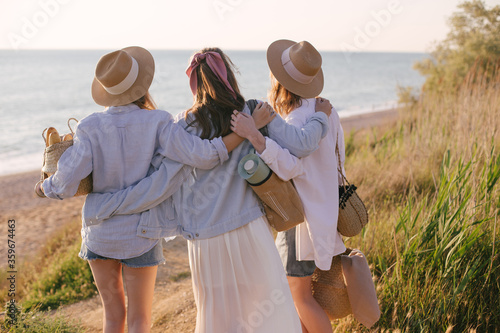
[108, 278]
[312, 316]
[140, 285]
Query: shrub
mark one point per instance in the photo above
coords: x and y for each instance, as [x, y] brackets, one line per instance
[474, 39]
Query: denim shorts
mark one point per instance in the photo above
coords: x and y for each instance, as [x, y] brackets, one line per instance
[153, 257]
[285, 242]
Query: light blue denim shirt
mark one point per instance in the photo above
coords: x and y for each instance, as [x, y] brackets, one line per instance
[117, 146]
[209, 202]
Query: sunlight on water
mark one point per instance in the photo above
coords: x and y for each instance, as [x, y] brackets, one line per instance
[44, 88]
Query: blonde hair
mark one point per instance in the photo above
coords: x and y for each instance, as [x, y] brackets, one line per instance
[282, 100]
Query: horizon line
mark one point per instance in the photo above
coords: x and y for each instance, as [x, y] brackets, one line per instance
[191, 50]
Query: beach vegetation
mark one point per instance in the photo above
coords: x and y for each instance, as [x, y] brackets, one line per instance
[56, 275]
[473, 40]
[431, 183]
[34, 321]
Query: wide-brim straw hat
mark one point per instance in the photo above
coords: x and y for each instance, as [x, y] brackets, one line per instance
[123, 76]
[297, 66]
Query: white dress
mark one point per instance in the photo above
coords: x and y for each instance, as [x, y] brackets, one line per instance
[239, 283]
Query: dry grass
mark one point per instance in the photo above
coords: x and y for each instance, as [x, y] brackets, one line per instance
[439, 159]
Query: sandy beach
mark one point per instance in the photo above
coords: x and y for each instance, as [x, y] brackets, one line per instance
[36, 218]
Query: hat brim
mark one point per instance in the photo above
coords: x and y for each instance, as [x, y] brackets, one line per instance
[137, 90]
[274, 52]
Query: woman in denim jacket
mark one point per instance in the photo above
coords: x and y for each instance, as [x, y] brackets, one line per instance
[238, 281]
[117, 146]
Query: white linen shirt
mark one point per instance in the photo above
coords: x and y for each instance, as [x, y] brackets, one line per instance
[317, 181]
[118, 146]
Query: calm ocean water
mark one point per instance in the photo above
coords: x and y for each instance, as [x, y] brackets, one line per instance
[40, 89]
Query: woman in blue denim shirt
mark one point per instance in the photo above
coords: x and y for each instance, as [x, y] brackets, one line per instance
[117, 146]
[238, 281]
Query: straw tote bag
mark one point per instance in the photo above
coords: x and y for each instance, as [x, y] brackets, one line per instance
[330, 291]
[352, 213]
[51, 156]
[347, 288]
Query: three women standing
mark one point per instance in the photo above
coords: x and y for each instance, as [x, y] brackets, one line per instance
[238, 282]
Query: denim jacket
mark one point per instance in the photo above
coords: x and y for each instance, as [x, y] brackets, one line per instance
[117, 146]
[209, 202]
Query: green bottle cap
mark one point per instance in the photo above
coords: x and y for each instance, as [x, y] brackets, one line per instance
[253, 169]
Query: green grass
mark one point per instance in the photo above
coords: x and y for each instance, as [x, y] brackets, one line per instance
[32, 321]
[56, 276]
[446, 272]
[67, 280]
[431, 183]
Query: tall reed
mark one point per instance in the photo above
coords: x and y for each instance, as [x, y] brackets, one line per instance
[431, 184]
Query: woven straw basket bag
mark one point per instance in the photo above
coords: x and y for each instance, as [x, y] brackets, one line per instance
[51, 156]
[330, 291]
[353, 215]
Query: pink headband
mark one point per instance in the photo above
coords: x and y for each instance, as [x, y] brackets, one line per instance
[216, 64]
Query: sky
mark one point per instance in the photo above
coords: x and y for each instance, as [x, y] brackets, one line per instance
[359, 25]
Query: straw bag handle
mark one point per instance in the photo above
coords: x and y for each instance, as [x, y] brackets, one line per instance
[43, 176]
[69, 126]
[339, 167]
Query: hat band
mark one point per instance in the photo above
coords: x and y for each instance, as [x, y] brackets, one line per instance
[292, 70]
[127, 82]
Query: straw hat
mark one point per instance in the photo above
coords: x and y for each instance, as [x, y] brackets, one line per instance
[297, 66]
[123, 76]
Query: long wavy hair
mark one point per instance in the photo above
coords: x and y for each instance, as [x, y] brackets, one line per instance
[282, 100]
[214, 104]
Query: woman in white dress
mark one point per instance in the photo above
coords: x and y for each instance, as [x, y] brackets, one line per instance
[297, 78]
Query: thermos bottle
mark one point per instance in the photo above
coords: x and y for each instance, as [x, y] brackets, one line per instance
[253, 169]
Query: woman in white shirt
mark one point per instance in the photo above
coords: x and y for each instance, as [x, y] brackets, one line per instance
[297, 78]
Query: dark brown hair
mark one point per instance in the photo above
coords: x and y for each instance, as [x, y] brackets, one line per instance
[282, 100]
[214, 103]
[146, 102]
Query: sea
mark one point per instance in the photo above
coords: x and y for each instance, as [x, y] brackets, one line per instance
[44, 88]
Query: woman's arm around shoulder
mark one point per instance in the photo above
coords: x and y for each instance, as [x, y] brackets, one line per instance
[301, 141]
[177, 144]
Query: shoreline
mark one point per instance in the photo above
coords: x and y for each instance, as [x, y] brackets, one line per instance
[369, 119]
[349, 123]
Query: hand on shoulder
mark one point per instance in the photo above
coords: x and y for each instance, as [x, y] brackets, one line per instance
[323, 105]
